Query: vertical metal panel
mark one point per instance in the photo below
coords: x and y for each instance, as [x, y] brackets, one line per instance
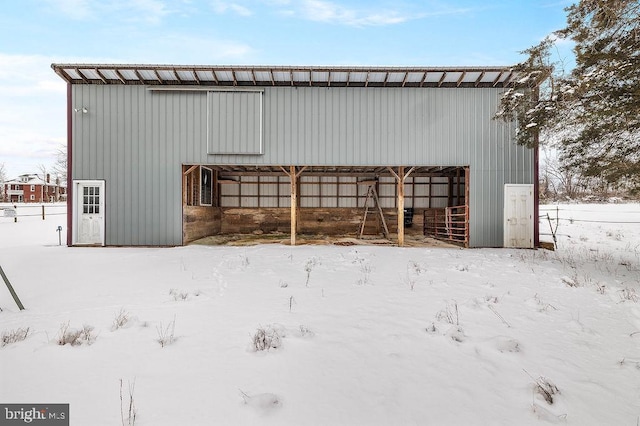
[235, 122]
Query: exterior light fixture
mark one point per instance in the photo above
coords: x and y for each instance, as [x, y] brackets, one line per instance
[83, 110]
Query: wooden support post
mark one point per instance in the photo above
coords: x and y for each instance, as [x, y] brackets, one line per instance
[458, 186]
[400, 178]
[215, 199]
[294, 202]
[43, 212]
[401, 206]
[184, 188]
[467, 175]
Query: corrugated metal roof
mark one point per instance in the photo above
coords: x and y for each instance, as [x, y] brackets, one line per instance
[323, 76]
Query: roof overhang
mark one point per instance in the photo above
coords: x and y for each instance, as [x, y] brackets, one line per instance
[269, 76]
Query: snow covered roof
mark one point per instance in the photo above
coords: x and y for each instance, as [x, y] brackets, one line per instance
[323, 76]
[34, 179]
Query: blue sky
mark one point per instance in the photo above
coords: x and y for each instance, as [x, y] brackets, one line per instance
[36, 33]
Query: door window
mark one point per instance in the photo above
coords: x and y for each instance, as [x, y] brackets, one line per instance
[91, 200]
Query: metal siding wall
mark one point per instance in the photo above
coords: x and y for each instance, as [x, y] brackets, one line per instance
[137, 139]
[234, 122]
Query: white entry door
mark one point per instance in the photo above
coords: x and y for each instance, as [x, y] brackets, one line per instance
[89, 223]
[518, 215]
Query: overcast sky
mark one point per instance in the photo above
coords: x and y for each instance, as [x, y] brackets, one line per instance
[36, 33]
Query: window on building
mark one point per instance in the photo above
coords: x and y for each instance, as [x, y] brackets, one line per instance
[206, 186]
[33, 188]
[91, 200]
[33, 197]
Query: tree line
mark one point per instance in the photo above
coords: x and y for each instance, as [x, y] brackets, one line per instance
[587, 119]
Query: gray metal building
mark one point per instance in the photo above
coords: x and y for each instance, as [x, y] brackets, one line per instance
[163, 155]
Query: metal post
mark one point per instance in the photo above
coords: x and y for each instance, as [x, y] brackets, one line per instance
[11, 290]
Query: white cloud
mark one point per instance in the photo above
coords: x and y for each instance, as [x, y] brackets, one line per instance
[74, 9]
[372, 15]
[151, 11]
[186, 49]
[221, 6]
[325, 11]
[28, 75]
[33, 119]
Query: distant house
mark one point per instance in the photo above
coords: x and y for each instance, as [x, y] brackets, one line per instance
[162, 155]
[32, 188]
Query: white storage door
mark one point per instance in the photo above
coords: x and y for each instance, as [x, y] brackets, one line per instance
[518, 216]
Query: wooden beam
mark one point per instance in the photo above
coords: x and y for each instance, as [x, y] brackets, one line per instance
[137, 73]
[184, 190]
[444, 74]
[120, 76]
[393, 172]
[401, 177]
[77, 70]
[408, 173]
[467, 175]
[100, 75]
[190, 169]
[424, 78]
[175, 74]
[195, 75]
[294, 202]
[302, 169]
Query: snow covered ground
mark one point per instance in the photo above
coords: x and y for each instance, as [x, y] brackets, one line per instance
[366, 335]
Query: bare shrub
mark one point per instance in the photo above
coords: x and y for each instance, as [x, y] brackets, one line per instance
[69, 336]
[365, 269]
[544, 387]
[266, 338]
[628, 294]
[449, 313]
[132, 412]
[414, 270]
[166, 335]
[13, 336]
[308, 267]
[431, 329]
[121, 319]
[571, 281]
[262, 401]
[543, 306]
[305, 331]
[178, 295]
[616, 235]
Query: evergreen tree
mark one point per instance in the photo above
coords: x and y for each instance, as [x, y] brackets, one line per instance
[594, 111]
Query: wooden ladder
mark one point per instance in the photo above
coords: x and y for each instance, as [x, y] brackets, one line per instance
[373, 194]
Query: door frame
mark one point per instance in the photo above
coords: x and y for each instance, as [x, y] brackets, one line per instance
[77, 206]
